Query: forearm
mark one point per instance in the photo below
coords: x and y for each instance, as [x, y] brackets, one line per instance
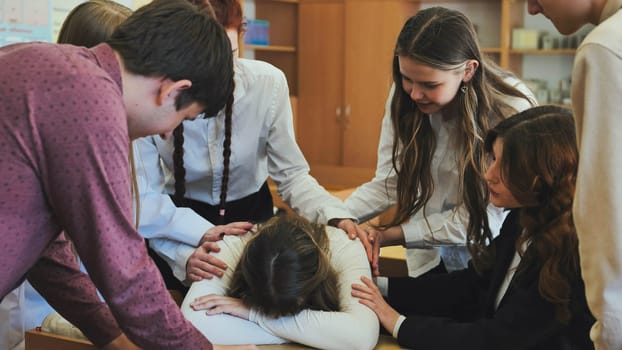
[57, 277]
[444, 228]
[393, 236]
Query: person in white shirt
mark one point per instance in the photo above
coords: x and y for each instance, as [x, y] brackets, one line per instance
[22, 309]
[445, 96]
[219, 176]
[289, 282]
[595, 92]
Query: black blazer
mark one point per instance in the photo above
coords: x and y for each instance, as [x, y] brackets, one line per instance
[457, 310]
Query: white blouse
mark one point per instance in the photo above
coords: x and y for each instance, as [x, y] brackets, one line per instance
[442, 230]
[262, 145]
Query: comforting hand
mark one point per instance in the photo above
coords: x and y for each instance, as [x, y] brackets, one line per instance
[353, 230]
[375, 237]
[220, 304]
[235, 228]
[370, 296]
[201, 264]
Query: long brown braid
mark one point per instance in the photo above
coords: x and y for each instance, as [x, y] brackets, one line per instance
[229, 15]
[179, 170]
[178, 165]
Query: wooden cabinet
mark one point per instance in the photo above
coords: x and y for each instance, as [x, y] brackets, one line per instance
[345, 50]
[282, 51]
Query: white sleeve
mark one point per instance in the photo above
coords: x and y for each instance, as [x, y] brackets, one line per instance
[225, 329]
[159, 217]
[598, 199]
[175, 254]
[290, 170]
[446, 228]
[378, 195]
[355, 327]
[12, 310]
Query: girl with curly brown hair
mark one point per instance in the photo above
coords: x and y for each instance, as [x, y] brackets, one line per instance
[524, 291]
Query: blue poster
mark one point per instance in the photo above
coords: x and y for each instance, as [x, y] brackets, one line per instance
[36, 20]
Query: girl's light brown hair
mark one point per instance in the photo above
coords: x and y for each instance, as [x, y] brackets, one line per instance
[445, 39]
[539, 166]
[285, 268]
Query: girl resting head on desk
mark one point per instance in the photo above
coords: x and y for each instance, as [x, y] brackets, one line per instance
[288, 281]
[524, 289]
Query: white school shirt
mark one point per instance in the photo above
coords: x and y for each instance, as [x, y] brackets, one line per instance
[262, 145]
[20, 310]
[355, 327]
[596, 92]
[446, 234]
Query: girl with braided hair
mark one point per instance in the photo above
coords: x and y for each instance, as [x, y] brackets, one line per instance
[210, 179]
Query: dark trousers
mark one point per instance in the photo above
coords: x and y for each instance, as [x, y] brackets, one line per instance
[400, 293]
[257, 207]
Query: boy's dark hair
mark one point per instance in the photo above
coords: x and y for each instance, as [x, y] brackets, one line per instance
[174, 39]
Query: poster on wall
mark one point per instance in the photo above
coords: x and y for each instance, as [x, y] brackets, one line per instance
[36, 20]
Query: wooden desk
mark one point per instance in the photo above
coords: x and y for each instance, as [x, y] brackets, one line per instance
[38, 340]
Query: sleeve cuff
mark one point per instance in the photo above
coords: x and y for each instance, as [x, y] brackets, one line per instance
[413, 234]
[181, 260]
[190, 227]
[328, 213]
[398, 324]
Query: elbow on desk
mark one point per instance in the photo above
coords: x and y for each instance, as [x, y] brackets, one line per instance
[367, 337]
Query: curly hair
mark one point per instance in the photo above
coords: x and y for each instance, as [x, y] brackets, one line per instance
[445, 39]
[539, 166]
[285, 268]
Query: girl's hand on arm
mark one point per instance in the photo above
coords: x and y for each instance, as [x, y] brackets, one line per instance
[220, 304]
[202, 265]
[353, 230]
[215, 233]
[380, 238]
[370, 296]
[375, 237]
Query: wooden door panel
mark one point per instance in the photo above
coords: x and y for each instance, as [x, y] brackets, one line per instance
[372, 27]
[320, 80]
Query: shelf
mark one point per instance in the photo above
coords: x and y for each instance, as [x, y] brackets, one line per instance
[273, 48]
[543, 52]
